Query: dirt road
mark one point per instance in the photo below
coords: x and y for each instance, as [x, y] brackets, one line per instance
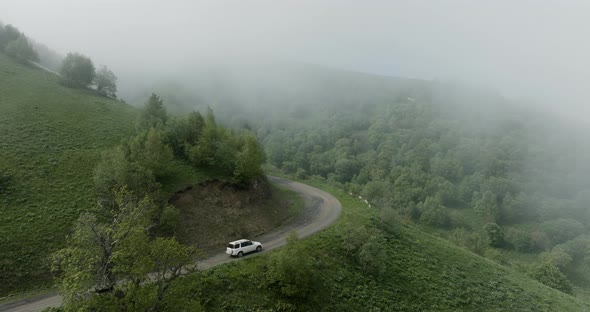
[321, 209]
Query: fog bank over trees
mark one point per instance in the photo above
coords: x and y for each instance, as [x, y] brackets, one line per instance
[525, 50]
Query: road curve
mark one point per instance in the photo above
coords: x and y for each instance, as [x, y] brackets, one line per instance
[320, 210]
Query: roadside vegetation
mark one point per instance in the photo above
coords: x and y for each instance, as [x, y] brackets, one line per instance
[363, 262]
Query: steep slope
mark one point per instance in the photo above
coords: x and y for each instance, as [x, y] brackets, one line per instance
[50, 139]
[364, 264]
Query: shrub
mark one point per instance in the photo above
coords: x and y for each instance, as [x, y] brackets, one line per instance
[521, 241]
[291, 271]
[473, 241]
[551, 276]
[557, 257]
[495, 235]
[434, 213]
[168, 220]
[372, 256]
[562, 230]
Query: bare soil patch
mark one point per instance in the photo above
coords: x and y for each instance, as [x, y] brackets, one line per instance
[213, 213]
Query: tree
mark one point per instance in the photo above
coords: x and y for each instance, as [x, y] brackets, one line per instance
[372, 255]
[78, 69]
[551, 276]
[249, 160]
[21, 49]
[562, 230]
[8, 34]
[117, 259]
[486, 206]
[153, 153]
[204, 152]
[495, 235]
[169, 260]
[434, 213]
[153, 115]
[106, 82]
[184, 132]
[291, 271]
[116, 171]
[89, 262]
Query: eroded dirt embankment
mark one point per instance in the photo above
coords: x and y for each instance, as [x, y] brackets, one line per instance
[214, 213]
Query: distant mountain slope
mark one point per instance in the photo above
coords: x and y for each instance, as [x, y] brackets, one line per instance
[451, 157]
[50, 139]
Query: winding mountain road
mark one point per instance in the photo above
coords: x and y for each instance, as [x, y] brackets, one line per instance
[320, 210]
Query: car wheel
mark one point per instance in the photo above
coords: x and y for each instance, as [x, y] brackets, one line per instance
[259, 248]
[240, 254]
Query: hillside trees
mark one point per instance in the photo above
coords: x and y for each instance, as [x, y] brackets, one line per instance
[494, 234]
[8, 33]
[112, 251]
[206, 144]
[551, 276]
[21, 49]
[435, 162]
[433, 213]
[78, 69]
[106, 82]
[117, 170]
[248, 159]
[16, 44]
[115, 256]
[141, 162]
[153, 114]
[292, 272]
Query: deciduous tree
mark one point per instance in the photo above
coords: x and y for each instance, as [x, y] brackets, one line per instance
[78, 69]
[106, 82]
[153, 115]
[21, 49]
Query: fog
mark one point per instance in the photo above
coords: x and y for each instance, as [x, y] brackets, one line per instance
[525, 49]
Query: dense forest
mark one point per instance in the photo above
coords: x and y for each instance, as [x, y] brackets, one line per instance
[503, 179]
[488, 176]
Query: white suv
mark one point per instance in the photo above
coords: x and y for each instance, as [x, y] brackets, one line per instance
[243, 246]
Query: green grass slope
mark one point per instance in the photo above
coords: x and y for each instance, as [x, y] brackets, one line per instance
[421, 273]
[50, 139]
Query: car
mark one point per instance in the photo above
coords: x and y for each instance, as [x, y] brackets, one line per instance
[241, 247]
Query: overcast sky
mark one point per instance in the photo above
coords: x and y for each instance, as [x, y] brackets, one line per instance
[537, 49]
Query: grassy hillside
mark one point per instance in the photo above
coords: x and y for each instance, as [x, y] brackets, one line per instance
[421, 273]
[50, 139]
[334, 271]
